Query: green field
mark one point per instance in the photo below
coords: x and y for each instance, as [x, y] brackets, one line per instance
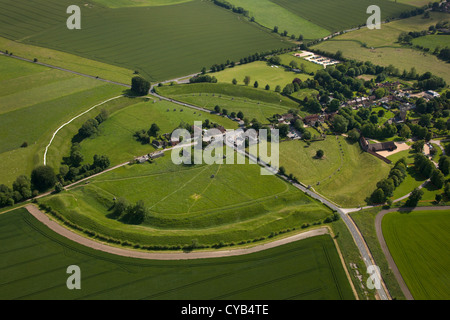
[433, 41]
[417, 243]
[335, 15]
[34, 102]
[34, 262]
[262, 72]
[270, 14]
[137, 38]
[116, 134]
[308, 65]
[210, 203]
[338, 175]
[254, 103]
[383, 49]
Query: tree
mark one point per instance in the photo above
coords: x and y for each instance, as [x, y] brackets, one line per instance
[284, 130]
[282, 171]
[140, 86]
[23, 185]
[320, 154]
[120, 207]
[293, 64]
[247, 80]
[418, 146]
[405, 132]
[378, 196]
[414, 198]
[354, 135]
[101, 162]
[340, 124]
[89, 128]
[444, 164]
[234, 81]
[217, 109]
[240, 115]
[43, 178]
[256, 84]
[278, 89]
[438, 179]
[267, 87]
[307, 135]
[153, 131]
[388, 187]
[275, 29]
[135, 214]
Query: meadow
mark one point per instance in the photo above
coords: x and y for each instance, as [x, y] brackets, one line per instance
[34, 101]
[338, 175]
[206, 36]
[415, 241]
[34, 262]
[433, 41]
[381, 46]
[210, 203]
[116, 138]
[138, 3]
[254, 103]
[270, 14]
[262, 72]
[340, 15]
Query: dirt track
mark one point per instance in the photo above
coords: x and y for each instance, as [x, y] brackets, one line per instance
[42, 217]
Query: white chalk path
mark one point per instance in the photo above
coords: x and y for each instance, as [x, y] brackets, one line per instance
[65, 124]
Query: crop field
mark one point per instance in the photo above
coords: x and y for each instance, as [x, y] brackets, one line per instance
[34, 102]
[270, 14]
[383, 49]
[34, 262]
[262, 72]
[335, 15]
[206, 36]
[138, 3]
[116, 134]
[417, 243]
[210, 203]
[254, 103]
[338, 175]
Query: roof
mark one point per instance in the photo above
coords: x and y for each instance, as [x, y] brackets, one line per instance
[390, 145]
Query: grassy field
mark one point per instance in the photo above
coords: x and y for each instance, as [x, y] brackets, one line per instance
[34, 101]
[270, 14]
[206, 36]
[433, 41]
[254, 103]
[262, 72]
[415, 241]
[340, 15]
[338, 175]
[383, 49]
[308, 65]
[34, 262]
[116, 135]
[229, 203]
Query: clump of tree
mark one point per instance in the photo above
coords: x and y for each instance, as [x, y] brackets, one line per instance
[140, 86]
[129, 213]
[144, 136]
[203, 79]
[386, 187]
[90, 127]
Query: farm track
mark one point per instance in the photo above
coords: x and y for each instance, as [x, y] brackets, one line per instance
[384, 247]
[43, 218]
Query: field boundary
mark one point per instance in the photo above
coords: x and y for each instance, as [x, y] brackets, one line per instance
[54, 226]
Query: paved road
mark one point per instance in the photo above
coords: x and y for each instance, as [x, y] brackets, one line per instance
[384, 247]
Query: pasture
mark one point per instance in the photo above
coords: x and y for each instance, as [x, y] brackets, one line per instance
[138, 3]
[262, 72]
[210, 203]
[270, 14]
[34, 102]
[254, 103]
[340, 15]
[34, 262]
[338, 175]
[417, 241]
[433, 41]
[382, 47]
[136, 38]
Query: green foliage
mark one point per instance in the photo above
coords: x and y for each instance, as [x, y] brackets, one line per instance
[43, 178]
[140, 86]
